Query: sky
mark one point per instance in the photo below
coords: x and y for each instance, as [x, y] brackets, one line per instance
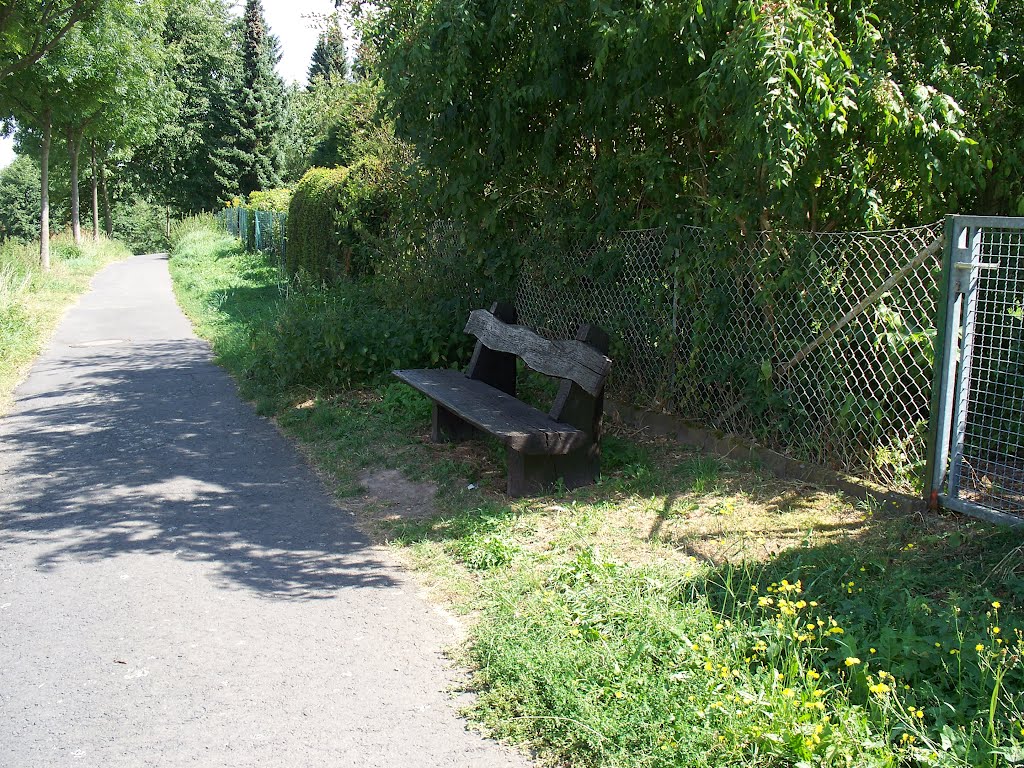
[288, 19]
[298, 38]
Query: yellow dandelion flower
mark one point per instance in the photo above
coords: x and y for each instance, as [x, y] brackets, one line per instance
[851, 661]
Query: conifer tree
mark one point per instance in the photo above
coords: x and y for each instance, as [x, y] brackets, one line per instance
[194, 163]
[330, 59]
[261, 104]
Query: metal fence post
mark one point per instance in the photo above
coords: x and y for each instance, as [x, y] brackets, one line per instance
[967, 283]
[944, 362]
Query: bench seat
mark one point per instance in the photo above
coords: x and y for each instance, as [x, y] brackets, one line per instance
[520, 426]
[542, 450]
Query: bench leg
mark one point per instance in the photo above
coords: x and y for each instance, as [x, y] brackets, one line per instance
[529, 475]
[446, 427]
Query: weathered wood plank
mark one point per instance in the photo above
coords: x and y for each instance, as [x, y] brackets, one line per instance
[516, 424]
[561, 358]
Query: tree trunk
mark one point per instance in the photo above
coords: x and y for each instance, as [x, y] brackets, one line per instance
[108, 222]
[74, 144]
[95, 193]
[44, 195]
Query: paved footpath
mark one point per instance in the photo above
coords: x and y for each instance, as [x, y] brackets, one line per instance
[176, 587]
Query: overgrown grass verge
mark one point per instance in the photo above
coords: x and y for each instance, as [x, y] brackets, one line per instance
[32, 302]
[685, 611]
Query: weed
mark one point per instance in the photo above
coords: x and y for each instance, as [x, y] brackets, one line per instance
[702, 472]
[483, 551]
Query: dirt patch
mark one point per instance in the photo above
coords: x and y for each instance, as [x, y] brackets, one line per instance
[389, 496]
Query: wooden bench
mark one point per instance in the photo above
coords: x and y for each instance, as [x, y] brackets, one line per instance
[543, 448]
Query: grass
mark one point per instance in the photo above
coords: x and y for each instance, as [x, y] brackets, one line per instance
[685, 611]
[32, 302]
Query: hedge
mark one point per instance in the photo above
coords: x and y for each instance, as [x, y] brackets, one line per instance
[338, 222]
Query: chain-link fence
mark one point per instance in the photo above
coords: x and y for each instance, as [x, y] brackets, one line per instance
[236, 220]
[818, 345]
[265, 231]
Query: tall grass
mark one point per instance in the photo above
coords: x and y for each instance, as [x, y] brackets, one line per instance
[32, 301]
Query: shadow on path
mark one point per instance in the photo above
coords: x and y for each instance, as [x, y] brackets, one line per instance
[145, 448]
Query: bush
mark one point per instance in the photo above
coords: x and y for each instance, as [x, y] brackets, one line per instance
[345, 335]
[276, 200]
[338, 221]
[141, 225]
[205, 223]
[313, 250]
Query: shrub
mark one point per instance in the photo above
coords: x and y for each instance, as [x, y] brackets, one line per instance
[19, 199]
[276, 200]
[345, 335]
[141, 225]
[205, 223]
[313, 248]
[338, 220]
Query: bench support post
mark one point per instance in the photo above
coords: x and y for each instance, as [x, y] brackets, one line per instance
[529, 475]
[446, 427]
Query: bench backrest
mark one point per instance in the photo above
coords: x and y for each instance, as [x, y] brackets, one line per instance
[581, 363]
[562, 358]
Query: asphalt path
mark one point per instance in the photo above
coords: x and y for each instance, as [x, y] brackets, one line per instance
[176, 586]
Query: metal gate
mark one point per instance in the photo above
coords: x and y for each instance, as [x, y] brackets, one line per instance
[976, 456]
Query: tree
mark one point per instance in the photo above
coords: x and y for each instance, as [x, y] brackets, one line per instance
[115, 91]
[100, 72]
[29, 29]
[333, 123]
[330, 58]
[19, 199]
[29, 98]
[811, 114]
[193, 163]
[261, 104]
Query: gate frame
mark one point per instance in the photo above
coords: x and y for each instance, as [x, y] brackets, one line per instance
[961, 262]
